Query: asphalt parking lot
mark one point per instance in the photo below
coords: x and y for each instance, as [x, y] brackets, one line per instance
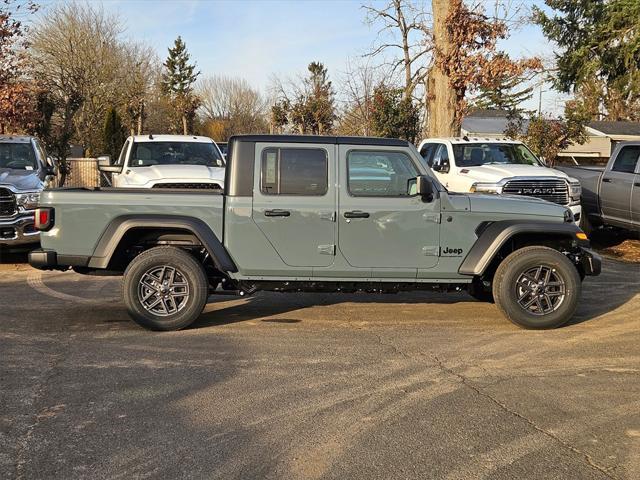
[316, 386]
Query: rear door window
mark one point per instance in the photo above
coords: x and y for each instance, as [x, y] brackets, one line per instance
[294, 171]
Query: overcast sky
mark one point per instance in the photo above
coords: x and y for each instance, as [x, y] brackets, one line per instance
[257, 38]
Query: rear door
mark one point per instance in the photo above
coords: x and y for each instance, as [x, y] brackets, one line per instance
[379, 225]
[294, 201]
[617, 184]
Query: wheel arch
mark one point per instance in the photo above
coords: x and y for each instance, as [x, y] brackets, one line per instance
[509, 235]
[186, 230]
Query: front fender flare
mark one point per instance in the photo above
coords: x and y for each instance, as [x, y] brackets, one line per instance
[493, 237]
[116, 230]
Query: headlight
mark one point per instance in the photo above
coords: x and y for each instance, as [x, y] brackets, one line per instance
[28, 201]
[575, 189]
[486, 188]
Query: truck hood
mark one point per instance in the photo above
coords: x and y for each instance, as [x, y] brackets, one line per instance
[495, 173]
[172, 173]
[514, 205]
[23, 180]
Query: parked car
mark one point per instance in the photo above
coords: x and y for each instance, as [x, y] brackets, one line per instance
[499, 166]
[223, 146]
[611, 194]
[25, 170]
[299, 215]
[167, 161]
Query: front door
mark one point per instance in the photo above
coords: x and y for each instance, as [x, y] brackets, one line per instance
[617, 185]
[294, 202]
[380, 226]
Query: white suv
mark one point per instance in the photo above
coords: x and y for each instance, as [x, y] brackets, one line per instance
[499, 166]
[167, 161]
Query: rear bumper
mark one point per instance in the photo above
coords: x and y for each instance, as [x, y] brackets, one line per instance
[18, 231]
[44, 259]
[590, 262]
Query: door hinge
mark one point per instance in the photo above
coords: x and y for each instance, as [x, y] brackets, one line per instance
[432, 217]
[431, 251]
[327, 249]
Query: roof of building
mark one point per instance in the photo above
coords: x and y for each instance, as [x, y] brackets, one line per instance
[488, 113]
[616, 128]
[488, 125]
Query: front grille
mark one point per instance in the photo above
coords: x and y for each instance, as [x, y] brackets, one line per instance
[189, 186]
[556, 191]
[7, 203]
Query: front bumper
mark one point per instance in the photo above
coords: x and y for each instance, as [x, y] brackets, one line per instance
[18, 230]
[590, 262]
[577, 213]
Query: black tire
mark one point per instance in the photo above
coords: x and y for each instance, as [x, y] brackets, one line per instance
[481, 293]
[512, 282]
[187, 298]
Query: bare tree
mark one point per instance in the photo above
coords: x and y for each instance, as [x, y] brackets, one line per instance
[231, 106]
[404, 28]
[140, 69]
[77, 57]
[357, 86]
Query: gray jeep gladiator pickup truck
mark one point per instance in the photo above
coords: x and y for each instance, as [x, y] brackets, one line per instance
[25, 171]
[611, 195]
[314, 213]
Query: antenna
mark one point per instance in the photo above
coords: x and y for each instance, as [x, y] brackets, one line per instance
[150, 137]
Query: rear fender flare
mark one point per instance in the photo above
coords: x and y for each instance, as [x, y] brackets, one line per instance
[494, 236]
[119, 226]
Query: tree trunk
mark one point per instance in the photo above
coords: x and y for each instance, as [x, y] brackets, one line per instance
[140, 117]
[184, 125]
[441, 98]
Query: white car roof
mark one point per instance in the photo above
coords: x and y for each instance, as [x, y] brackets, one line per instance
[468, 139]
[171, 138]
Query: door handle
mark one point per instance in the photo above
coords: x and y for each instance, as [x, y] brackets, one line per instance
[607, 180]
[637, 184]
[356, 214]
[277, 213]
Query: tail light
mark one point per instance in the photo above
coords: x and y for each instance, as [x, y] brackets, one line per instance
[44, 219]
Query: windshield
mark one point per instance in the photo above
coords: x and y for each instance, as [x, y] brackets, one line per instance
[17, 156]
[146, 154]
[477, 154]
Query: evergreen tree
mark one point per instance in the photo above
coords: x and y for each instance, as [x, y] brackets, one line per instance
[504, 94]
[599, 44]
[178, 81]
[393, 115]
[113, 134]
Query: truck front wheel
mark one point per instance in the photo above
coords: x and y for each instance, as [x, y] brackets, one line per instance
[165, 288]
[537, 288]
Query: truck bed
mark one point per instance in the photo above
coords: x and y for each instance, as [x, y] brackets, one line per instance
[82, 215]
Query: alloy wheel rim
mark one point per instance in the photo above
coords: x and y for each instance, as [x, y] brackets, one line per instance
[540, 290]
[163, 290]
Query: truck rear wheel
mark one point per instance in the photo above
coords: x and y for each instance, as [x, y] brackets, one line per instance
[537, 288]
[165, 288]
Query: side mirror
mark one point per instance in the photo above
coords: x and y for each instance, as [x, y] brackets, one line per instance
[104, 160]
[421, 186]
[442, 166]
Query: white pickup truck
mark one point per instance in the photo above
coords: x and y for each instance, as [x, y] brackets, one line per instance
[167, 161]
[499, 166]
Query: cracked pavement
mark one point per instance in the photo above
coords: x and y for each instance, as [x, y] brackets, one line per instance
[316, 386]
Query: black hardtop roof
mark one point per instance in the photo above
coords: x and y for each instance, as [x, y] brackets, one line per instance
[15, 139]
[375, 141]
